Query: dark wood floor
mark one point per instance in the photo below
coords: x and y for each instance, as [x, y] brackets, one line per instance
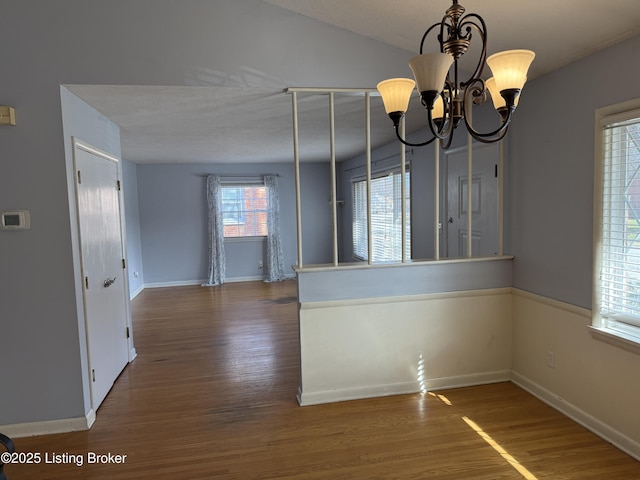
[212, 396]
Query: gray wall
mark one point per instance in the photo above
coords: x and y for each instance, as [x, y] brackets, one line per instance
[422, 164]
[551, 156]
[396, 280]
[147, 42]
[39, 315]
[132, 218]
[173, 220]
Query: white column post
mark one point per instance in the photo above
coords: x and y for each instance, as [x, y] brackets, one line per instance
[296, 167]
[403, 192]
[367, 99]
[469, 190]
[501, 199]
[436, 201]
[334, 200]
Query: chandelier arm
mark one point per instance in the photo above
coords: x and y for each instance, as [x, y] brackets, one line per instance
[477, 89]
[449, 121]
[424, 37]
[497, 134]
[436, 132]
[485, 139]
[409, 144]
[446, 144]
[468, 21]
[448, 21]
[445, 130]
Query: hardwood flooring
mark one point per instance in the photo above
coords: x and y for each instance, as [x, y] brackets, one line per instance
[212, 396]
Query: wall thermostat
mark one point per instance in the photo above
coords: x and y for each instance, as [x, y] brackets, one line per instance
[15, 220]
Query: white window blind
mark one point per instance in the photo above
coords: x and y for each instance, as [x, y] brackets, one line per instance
[244, 210]
[386, 218]
[619, 276]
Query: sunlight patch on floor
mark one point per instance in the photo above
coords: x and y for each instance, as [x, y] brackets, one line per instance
[512, 461]
[442, 398]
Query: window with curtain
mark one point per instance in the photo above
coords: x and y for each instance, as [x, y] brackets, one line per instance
[617, 273]
[244, 210]
[386, 217]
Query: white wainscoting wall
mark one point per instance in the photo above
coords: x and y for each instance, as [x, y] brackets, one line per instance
[361, 348]
[595, 383]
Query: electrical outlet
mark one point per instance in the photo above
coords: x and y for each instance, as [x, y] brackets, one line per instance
[260, 265]
[136, 274]
[551, 359]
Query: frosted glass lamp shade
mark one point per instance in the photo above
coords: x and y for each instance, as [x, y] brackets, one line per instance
[510, 68]
[396, 93]
[498, 100]
[430, 70]
[438, 108]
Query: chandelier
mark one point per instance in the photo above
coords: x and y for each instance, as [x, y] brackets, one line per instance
[449, 100]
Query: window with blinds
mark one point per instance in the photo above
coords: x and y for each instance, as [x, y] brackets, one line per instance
[386, 218]
[618, 282]
[244, 210]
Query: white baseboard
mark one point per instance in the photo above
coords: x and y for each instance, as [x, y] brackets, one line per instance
[356, 393]
[258, 278]
[184, 283]
[472, 380]
[136, 292]
[255, 278]
[370, 391]
[591, 423]
[49, 427]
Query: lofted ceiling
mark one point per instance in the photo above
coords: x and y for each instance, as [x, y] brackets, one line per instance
[185, 124]
[560, 32]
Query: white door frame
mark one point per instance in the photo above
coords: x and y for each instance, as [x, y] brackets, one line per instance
[81, 145]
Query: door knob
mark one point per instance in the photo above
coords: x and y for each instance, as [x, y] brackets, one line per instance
[109, 281]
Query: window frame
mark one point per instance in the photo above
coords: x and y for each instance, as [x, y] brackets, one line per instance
[243, 213]
[606, 327]
[393, 171]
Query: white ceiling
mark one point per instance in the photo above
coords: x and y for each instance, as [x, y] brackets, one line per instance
[559, 31]
[185, 124]
[228, 124]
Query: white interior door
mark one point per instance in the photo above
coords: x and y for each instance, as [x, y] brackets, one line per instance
[103, 271]
[484, 199]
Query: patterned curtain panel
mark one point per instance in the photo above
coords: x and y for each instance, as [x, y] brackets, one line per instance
[217, 261]
[275, 258]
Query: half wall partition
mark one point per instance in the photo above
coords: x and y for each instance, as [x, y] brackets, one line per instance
[370, 329]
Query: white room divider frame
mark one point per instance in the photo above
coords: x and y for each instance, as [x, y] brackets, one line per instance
[366, 94]
[403, 317]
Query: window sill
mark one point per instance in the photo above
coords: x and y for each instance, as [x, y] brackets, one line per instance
[618, 339]
[244, 239]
